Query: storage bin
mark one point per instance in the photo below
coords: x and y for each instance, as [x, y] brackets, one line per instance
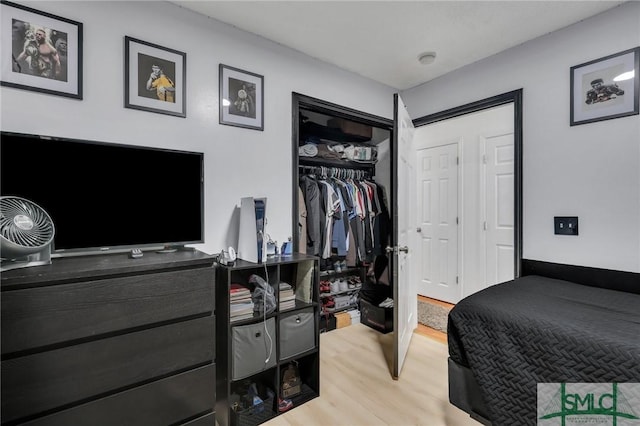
[355, 316]
[351, 127]
[297, 333]
[253, 347]
[378, 318]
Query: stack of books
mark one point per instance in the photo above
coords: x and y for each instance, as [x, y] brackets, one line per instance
[286, 297]
[241, 305]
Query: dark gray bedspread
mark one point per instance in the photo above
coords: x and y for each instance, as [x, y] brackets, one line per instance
[540, 330]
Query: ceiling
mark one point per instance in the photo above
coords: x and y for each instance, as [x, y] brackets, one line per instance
[382, 40]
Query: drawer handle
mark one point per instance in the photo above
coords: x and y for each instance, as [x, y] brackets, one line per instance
[258, 334]
[298, 320]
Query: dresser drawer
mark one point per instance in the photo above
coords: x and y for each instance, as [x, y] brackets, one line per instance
[167, 401]
[37, 317]
[35, 383]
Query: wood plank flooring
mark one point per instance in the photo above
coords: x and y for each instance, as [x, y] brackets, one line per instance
[356, 387]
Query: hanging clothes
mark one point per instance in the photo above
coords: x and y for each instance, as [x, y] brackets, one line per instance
[347, 218]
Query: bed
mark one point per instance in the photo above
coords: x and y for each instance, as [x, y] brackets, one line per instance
[555, 324]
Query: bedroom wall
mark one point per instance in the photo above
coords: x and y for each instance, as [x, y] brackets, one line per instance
[591, 170]
[238, 162]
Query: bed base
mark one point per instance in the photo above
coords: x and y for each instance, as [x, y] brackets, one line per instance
[464, 392]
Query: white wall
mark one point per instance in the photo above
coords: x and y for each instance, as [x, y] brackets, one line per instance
[238, 162]
[592, 170]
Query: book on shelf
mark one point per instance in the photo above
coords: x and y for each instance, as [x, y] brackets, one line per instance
[242, 317]
[236, 289]
[287, 305]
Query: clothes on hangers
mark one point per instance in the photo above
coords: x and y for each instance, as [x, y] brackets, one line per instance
[349, 210]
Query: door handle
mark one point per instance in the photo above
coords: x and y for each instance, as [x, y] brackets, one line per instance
[396, 249]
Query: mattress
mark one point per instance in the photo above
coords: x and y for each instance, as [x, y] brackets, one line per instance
[541, 330]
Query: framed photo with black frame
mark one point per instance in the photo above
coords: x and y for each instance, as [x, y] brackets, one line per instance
[155, 78]
[46, 51]
[241, 98]
[605, 88]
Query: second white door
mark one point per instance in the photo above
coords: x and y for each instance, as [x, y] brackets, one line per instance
[438, 222]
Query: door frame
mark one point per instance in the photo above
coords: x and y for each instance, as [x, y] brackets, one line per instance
[300, 101]
[514, 97]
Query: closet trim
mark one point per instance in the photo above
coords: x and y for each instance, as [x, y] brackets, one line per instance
[494, 101]
[300, 101]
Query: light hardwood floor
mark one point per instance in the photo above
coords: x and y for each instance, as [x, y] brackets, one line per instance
[356, 387]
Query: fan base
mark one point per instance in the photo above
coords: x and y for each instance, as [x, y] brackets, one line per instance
[35, 259]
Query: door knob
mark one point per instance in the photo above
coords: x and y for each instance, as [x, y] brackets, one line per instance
[390, 249]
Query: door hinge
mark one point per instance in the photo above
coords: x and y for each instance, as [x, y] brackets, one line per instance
[484, 159]
[457, 221]
[457, 160]
[456, 279]
[484, 226]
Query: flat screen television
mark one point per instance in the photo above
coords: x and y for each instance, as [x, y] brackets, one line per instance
[104, 196]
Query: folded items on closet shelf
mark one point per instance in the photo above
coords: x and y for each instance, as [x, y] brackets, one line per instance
[330, 150]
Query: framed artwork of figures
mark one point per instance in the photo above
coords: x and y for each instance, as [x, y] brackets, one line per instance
[605, 88]
[40, 51]
[154, 78]
[241, 98]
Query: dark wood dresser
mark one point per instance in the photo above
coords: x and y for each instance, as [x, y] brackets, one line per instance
[109, 340]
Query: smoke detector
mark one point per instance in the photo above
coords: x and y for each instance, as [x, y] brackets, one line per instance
[427, 58]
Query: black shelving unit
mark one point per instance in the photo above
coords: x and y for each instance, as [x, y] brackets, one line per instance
[259, 349]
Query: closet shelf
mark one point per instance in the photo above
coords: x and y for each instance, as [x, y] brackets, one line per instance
[330, 162]
[337, 293]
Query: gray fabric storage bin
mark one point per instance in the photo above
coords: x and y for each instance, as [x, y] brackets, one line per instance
[251, 346]
[297, 333]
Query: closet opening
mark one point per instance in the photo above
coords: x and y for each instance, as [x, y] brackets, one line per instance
[342, 208]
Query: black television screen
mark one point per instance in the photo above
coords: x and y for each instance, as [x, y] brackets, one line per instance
[104, 196]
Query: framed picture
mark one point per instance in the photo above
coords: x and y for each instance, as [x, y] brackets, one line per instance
[605, 88]
[155, 78]
[241, 98]
[46, 51]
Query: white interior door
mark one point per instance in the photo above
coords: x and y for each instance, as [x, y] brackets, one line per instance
[484, 133]
[405, 301]
[498, 181]
[437, 196]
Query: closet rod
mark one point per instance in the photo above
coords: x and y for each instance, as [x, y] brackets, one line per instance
[338, 172]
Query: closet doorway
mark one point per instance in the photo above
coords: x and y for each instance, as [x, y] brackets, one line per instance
[469, 162]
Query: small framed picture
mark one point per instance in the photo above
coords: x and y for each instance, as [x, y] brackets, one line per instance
[155, 78]
[241, 98]
[605, 88]
[46, 51]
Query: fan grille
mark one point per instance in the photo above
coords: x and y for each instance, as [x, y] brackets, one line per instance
[24, 223]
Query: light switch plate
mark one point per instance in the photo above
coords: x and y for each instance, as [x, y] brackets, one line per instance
[565, 225]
